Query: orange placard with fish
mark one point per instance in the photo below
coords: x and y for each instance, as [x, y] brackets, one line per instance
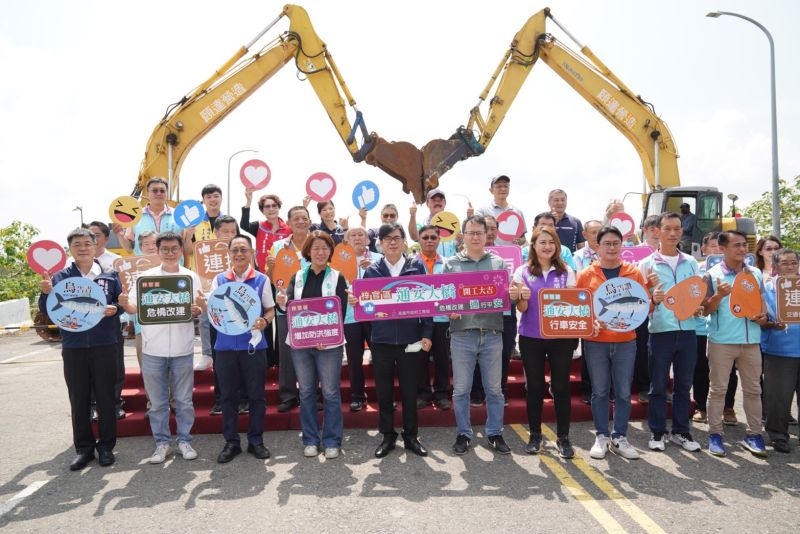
[344, 260]
[745, 300]
[684, 298]
[286, 264]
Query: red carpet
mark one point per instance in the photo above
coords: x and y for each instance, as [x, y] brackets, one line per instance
[135, 424]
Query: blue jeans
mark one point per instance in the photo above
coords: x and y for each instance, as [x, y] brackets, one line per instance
[161, 375]
[484, 347]
[313, 366]
[679, 350]
[607, 363]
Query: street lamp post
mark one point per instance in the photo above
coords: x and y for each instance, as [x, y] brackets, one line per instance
[776, 209]
[228, 192]
[80, 209]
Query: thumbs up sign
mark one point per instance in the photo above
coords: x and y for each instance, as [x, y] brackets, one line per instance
[280, 298]
[46, 284]
[723, 288]
[658, 294]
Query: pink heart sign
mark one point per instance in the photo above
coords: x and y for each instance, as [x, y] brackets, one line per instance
[510, 225]
[255, 174]
[624, 223]
[321, 186]
[46, 257]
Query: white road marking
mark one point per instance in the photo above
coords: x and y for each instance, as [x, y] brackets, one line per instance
[32, 353]
[21, 496]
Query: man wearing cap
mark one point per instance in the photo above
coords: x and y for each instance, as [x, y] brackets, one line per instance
[568, 228]
[499, 187]
[687, 222]
[436, 203]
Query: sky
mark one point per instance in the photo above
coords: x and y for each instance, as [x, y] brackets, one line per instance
[85, 82]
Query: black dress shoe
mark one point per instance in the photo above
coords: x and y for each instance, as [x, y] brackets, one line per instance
[413, 445]
[105, 457]
[81, 460]
[120, 413]
[287, 405]
[229, 452]
[384, 448]
[259, 451]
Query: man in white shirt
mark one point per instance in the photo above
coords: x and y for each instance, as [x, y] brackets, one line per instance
[167, 352]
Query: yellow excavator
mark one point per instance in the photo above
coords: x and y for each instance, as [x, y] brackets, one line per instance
[419, 170]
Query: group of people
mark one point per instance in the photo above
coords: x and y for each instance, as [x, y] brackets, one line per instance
[667, 359]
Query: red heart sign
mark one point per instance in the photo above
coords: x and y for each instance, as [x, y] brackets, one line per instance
[255, 174]
[510, 225]
[46, 257]
[624, 223]
[321, 186]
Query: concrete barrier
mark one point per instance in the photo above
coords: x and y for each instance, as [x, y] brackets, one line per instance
[15, 313]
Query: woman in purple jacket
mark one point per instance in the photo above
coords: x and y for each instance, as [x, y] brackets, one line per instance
[544, 269]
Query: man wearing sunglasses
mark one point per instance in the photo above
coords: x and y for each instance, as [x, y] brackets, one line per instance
[156, 216]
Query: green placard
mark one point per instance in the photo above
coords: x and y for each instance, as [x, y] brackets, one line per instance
[164, 299]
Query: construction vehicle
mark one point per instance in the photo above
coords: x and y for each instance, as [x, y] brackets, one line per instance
[419, 170]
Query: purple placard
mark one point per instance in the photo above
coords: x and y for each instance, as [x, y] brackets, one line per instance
[315, 321]
[510, 254]
[406, 297]
[635, 254]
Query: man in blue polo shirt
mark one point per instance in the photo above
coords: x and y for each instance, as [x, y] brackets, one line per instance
[569, 228]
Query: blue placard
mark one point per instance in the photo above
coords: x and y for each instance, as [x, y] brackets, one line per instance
[189, 213]
[623, 304]
[715, 259]
[233, 308]
[76, 304]
[366, 195]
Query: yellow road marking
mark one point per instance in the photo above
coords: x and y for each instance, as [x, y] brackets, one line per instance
[581, 495]
[636, 513]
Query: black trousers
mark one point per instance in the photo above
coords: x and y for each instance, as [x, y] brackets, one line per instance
[356, 334]
[509, 342]
[384, 359]
[781, 381]
[120, 383]
[233, 369]
[85, 371]
[287, 379]
[641, 368]
[242, 387]
[701, 383]
[559, 353]
[440, 350]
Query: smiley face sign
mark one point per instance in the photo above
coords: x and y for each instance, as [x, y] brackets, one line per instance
[321, 186]
[125, 211]
[624, 223]
[447, 224]
[255, 174]
[510, 225]
[46, 257]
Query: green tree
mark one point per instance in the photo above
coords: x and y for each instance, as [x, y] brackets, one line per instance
[17, 280]
[789, 201]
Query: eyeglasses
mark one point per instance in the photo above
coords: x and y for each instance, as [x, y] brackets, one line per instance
[238, 250]
[501, 186]
[388, 215]
[270, 206]
[788, 263]
[474, 234]
[393, 239]
[429, 237]
[611, 244]
[169, 250]
[158, 190]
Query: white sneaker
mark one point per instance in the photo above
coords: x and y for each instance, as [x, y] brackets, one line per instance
[205, 362]
[686, 441]
[310, 451]
[600, 447]
[160, 454]
[658, 441]
[187, 451]
[331, 453]
[621, 446]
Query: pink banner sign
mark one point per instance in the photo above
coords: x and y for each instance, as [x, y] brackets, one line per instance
[315, 321]
[511, 255]
[407, 297]
[635, 254]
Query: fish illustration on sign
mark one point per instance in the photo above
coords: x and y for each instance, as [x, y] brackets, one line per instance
[231, 308]
[622, 304]
[236, 312]
[628, 305]
[82, 305]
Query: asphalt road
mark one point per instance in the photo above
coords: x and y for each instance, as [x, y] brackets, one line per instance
[674, 491]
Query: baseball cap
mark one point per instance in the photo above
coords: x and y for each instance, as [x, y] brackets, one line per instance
[498, 178]
[684, 204]
[433, 192]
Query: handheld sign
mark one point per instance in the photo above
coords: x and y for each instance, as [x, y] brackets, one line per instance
[315, 321]
[623, 304]
[366, 195]
[321, 186]
[510, 225]
[447, 225]
[255, 174]
[286, 264]
[624, 223]
[189, 213]
[211, 258]
[512, 256]
[745, 300]
[345, 261]
[125, 211]
[565, 313]
[635, 254]
[130, 267]
[712, 260]
[46, 257]
[684, 298]
[76, 304]
[164, 299]
[233, 308]
[787, 293]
